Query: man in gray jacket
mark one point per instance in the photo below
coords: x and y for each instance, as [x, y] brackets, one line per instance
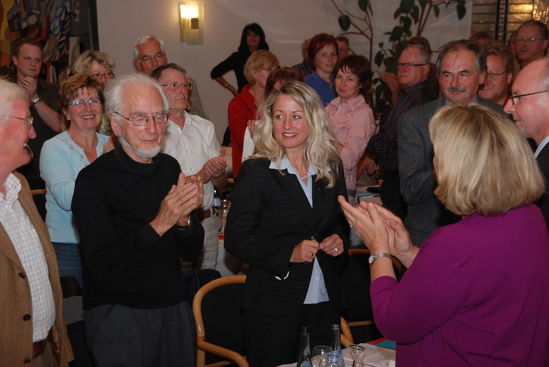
[461, 69]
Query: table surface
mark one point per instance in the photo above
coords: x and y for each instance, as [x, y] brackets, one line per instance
[373, 356]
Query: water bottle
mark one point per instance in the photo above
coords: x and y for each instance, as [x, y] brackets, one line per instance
[216, 202]
[336, 356]
[304, 356]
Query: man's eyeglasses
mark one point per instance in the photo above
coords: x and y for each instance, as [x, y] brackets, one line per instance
[158, 56]
[141, 119]
[83, 102]
[176, 85]
[27, 120]
[107, 75]
[493, 76]
[530, 39]
[514, 97]
[408, 65]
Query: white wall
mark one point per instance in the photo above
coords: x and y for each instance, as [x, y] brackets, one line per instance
[286, 24]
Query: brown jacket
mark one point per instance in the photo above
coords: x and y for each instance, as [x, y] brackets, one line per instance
[15, 297]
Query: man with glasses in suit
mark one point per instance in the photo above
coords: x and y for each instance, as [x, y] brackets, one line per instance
[529, 105]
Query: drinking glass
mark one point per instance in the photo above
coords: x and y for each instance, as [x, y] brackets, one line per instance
[358, 355]
[320, 356]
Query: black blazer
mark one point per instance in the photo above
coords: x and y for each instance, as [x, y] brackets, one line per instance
[543, 202]
[269, 216]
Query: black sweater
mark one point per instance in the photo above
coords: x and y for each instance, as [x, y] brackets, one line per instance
[125, 261]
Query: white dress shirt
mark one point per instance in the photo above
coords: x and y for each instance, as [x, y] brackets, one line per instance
[25, 240]
[193, 146]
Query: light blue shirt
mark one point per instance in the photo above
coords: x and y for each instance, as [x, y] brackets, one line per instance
[61, 160]
[317, 289]
[541, 146]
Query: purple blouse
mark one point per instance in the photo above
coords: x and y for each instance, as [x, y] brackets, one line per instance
[477, 294]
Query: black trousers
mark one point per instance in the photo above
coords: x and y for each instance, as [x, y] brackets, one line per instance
[123, 336]
[274, 340]
[390, 194]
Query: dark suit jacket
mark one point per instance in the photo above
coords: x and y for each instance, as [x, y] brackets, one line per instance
[543, 202]
[15, 297]
[269, 216]
[415, 162]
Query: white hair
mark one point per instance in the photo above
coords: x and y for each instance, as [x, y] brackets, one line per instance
[143, 39]
[9, 92]
[113, 93]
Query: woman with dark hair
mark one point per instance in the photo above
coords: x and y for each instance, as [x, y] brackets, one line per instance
[322, 55]
[62, 158]
[350, 115]
[252, 39]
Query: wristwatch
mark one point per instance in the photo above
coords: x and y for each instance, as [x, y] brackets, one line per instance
[374, 257]
[35, 100]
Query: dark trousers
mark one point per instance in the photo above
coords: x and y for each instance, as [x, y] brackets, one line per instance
[123, 336]
[390, 194]
[274, 340]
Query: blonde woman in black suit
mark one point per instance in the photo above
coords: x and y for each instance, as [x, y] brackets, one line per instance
[285, 222]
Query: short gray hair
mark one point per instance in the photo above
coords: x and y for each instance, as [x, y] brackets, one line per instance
[9, 92]
[453, 46]
[113, 93]
[143, 39]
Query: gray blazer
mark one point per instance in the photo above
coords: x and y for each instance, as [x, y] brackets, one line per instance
[415, 166]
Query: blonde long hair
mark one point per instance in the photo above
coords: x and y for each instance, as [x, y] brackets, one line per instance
[483, 164]
[321, 150]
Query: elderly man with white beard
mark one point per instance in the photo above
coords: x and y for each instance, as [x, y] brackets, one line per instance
[132, 207]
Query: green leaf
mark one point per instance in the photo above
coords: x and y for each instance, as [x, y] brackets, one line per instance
[423, 3]
[406, 22]
[461, 10]
[436, 11]
[397, 13]
[344, 22]
[379, 58]
[395, 34]
[380, 45]
[406, 5]
[363, 5]
[414, 13]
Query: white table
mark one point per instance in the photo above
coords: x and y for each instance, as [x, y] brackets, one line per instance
[373, 356]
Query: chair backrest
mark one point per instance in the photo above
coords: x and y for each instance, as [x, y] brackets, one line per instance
[217, 313]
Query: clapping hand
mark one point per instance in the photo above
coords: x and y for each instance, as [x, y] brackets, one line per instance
[180, 201]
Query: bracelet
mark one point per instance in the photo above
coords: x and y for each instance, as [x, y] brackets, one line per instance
[35, 100]
[374, 257]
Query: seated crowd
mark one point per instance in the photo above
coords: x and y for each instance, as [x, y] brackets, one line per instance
[131, 167]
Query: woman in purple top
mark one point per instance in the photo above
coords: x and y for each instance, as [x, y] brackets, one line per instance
[477, 292]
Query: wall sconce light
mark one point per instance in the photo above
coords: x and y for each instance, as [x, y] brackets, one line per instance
[191, 22]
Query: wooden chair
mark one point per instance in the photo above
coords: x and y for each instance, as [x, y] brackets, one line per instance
[216, 309]
[346, 335]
